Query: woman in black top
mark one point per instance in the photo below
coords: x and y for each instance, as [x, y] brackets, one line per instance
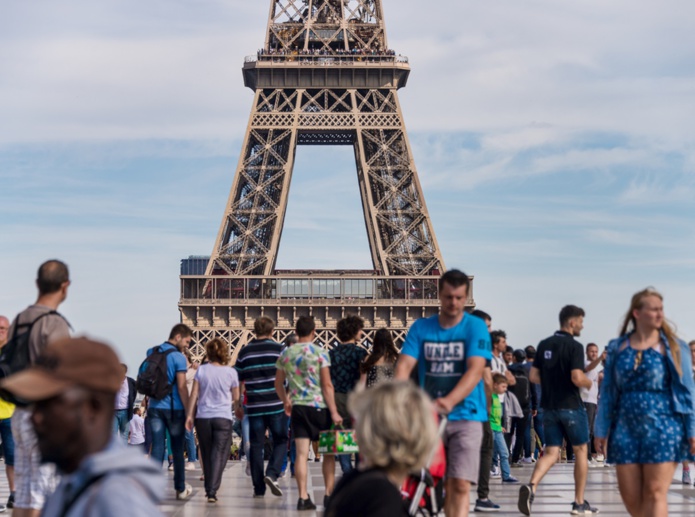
[396, 431]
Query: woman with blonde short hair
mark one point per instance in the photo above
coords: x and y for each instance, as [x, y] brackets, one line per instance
[646, 416]
[396, 432]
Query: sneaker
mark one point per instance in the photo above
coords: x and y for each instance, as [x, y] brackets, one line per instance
[600, 457]
[190, 465]
[212, 499]
[528, 461]
[10, 501]
[258, 496]
[283, 474]
[171, 466]
[486, 506]
[495, 473]
[326, 498]
[185, 493]
[305, 504]
[583, 509]
[525, 499]
[510, 479]
[516, 465]
[686, 479]
[273, 485]
[3, 508]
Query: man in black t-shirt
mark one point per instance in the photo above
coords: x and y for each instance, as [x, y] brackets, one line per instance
[559, 369]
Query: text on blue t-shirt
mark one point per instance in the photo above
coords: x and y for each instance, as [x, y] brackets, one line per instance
[442, 354]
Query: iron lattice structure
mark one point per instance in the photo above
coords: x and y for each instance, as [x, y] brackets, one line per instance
[325, 76]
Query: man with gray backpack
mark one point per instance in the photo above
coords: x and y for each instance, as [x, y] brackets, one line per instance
[162, 377]
[31, 332]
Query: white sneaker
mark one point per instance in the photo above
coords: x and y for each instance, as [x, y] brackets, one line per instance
[600, 458]
[528, 461]
[190, 465]
[495, 473]
[185, 494]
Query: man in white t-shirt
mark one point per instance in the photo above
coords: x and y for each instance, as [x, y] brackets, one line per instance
[137, 430]
[498, 364]
[592, 369]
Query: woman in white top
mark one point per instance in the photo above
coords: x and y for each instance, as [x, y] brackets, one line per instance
[215, 392]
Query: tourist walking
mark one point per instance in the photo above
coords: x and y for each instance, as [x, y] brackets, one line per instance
[483, 503]
[310, 403]
[593, 367]
[450, 350]
[214, 395]
[123, 407]
[559, 369]
[168, 413]
[380, 365]
[36, 480]
[265, 411]
[6, 412]
[646, 411]
[346, 359]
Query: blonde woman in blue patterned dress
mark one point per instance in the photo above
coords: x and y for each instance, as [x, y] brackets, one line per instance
[646, 418]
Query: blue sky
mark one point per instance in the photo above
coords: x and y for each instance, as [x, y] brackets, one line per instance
[554, 142]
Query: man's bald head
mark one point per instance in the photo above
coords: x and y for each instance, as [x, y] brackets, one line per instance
[4, 328]
[52, 276]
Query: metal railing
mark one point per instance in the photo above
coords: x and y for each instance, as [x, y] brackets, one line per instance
[325, 60]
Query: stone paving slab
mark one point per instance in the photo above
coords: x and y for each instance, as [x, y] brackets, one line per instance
[554, 497]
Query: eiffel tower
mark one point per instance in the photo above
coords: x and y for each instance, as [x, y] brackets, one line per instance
[325, 76]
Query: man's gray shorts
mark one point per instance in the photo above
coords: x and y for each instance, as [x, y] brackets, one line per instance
[462, 440]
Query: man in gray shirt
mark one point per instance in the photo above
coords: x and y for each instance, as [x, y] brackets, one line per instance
[35, 481]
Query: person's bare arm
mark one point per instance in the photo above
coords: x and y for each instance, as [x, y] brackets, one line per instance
[329, 394]
[487, 383]
[282, 392]
[474, 372]
[580, 380]
[192, 402]
[593, 364]
[183, 389]
[404, 367]
[534, 375]
[511, 380]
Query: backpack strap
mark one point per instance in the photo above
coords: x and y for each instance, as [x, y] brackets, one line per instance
[69, 503]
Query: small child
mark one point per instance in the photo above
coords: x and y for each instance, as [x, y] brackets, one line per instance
[499, 387]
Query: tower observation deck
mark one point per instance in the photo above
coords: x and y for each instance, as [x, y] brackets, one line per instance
[325, 76]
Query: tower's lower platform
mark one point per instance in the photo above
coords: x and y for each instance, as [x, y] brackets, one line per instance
[226, 306]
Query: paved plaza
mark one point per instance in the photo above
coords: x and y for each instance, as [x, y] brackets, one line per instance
[553, 498]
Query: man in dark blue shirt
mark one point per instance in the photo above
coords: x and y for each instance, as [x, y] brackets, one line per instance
[256, 367]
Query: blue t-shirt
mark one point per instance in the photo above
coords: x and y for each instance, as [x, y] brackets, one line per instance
[176, 362]
[442, 354]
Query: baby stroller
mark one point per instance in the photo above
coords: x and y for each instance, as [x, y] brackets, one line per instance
[424, 491]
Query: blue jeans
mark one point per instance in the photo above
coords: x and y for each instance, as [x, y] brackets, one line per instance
[161, 421]
[7, 441]
[277, 424]
[190, 447]
[499, 449]
[345, 462]
[120, 424]
[572, 423]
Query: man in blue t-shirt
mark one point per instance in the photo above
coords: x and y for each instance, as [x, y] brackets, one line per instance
[167, 414]
[451, 351]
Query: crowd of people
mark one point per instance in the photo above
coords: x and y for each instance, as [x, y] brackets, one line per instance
[74, 439]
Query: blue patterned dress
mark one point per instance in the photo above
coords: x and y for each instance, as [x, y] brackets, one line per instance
[646, 429]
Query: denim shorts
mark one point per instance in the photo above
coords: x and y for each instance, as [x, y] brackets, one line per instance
[570, 424]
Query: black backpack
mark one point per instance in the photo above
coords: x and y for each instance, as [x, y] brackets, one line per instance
[153, 380]
[14, 356]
